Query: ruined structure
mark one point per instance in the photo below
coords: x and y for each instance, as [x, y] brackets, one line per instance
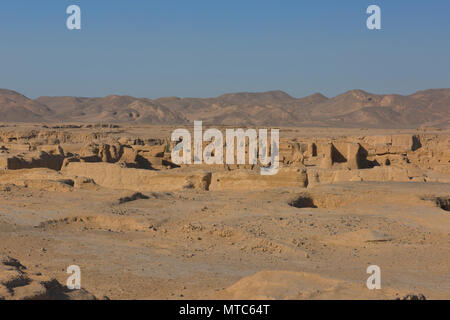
[143, 163]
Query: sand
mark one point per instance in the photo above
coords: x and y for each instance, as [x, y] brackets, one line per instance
[177, 242]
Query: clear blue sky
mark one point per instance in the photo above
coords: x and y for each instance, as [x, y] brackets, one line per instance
[201, 48]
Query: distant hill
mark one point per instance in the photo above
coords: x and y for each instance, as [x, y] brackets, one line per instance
[15, 107]
[354, 108]
[110, 109]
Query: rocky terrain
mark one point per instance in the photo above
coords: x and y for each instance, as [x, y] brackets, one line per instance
[355, 109]
[17, 283]
[108, 198]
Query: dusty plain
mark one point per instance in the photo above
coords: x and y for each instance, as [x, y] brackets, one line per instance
[108, 199]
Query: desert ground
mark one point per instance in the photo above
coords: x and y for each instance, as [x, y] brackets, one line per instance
[109, 199]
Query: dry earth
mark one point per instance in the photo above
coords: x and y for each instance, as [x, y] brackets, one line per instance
[109, 199]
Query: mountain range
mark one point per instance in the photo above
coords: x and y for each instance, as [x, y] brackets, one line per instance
[354, 108]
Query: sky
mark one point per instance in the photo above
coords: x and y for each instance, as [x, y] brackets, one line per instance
[204, 48]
